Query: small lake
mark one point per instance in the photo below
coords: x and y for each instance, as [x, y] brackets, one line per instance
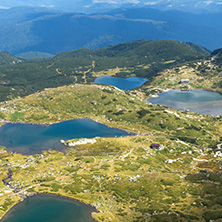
[200, 101]
[31, 139]
[121, 83]
[43, 208]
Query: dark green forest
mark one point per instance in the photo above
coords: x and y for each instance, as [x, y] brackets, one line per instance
[138, 58]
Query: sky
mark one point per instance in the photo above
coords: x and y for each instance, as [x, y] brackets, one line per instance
[84, 5]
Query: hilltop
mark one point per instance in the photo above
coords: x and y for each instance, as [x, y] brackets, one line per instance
[217, 56]
[202, 74]
[33, 55]
[138, 58]
[8, 59]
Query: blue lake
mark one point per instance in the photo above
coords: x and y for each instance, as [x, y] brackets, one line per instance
[34, 138]
[200, 101]
[121, 83]
[42, 208]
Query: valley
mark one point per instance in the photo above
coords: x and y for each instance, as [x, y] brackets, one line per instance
[139, 58]
[113, 172]
[168, 169]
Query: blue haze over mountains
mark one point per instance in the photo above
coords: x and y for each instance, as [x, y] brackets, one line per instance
[89, 6]
[54, 26]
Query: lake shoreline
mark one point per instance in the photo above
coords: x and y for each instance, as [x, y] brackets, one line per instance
[161, 98]
[53, 195]
[119, 132]
[169, 89]
[122, 83]
[56, 122]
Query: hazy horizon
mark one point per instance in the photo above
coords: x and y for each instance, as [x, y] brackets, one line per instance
[88, 6]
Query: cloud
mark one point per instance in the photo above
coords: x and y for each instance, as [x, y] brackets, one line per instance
[117, 2]
[152, 3]
[208, 2]
[47, 6]
[3, 7]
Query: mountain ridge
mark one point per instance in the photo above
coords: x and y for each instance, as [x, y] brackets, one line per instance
[92, 6]
[30, 29]
[7, 59]
[139, 58]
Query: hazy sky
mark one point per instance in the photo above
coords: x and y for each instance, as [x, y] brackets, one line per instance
[11, 3]
[82, 5]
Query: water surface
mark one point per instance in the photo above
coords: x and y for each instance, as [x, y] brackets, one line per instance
[42, 208]
[121, 83]
[34, 138]
[200, 101]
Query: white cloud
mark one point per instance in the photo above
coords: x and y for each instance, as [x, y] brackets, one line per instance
[208, 2]
[117, 1]
[3, 7]
[151, 3]
[47, 6]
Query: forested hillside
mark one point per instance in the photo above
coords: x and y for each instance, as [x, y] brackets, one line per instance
[138, 58]
[26, 29]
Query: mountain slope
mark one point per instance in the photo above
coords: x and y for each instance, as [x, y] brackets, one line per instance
[30, 29]
[203, 74]
[7, 59]
[140, 58]
[217, 56]
[201, 50]
[110, 173]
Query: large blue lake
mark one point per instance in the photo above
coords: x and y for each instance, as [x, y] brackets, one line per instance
[200, 101]
[42, 208]
[121, 83]
[34, 138]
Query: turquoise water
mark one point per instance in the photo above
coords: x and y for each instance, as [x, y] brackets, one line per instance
[34, 138]
[121, 83]
[42, 208]
[200, 101]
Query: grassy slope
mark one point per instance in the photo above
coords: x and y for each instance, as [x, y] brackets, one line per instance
[122, 177]
[140, 58]
[203, 74]
[7, 59]
[113, 106]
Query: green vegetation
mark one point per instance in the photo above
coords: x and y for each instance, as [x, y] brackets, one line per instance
[132, 183]
[202, 74]
[8, 59]
[113, 107]
[16, 116]
[139, 58]
[123, 178]
[199, 49]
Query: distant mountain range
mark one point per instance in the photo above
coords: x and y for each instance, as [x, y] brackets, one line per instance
[33, 55]
[26, 29]
[95, 6]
